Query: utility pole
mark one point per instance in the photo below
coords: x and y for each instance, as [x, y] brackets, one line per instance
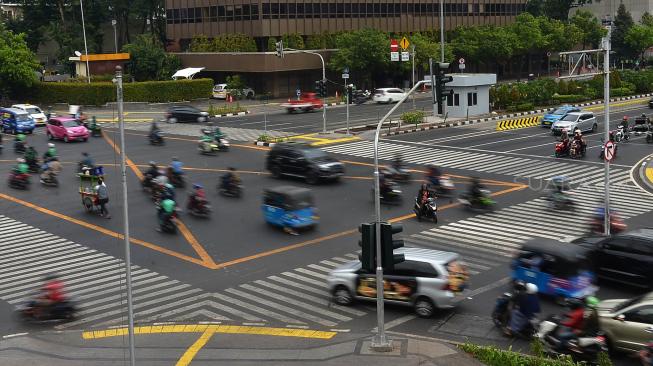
[435, 106]
[606, 93]
[441, 31]
[125, 211]
[412, 55]
[115, 34]
[88, 69]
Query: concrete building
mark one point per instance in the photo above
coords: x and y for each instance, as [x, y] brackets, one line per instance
[602, 8]
[471, 94]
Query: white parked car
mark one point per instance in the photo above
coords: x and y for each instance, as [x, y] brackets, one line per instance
[220, 91]
[35, 112]
[388, 95]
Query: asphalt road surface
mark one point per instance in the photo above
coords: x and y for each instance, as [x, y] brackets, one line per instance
[235, 269]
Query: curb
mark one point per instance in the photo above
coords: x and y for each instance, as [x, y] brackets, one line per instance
[231, 114]
[268, 144]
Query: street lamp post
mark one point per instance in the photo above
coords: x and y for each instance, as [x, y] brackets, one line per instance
[115, 34]
[88, 69]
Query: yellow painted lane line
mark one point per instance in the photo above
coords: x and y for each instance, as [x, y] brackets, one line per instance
[620, 104]
[129, 162]
[214, 328]
[104, 231]
[192, 351]
[649, 174]
[335, 141]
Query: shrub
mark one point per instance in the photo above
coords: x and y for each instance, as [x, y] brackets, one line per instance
[493, 356]
[620, 92]
[225, 109]
[102, 92]
[570, 98]
[414, 117]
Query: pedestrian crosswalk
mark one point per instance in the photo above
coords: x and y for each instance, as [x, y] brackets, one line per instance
[491, 239]
[485, 162]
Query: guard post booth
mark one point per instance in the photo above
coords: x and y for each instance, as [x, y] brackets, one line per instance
[471, 95]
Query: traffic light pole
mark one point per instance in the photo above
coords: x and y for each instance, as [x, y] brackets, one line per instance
[380, 342]
[606, 162]
[324, 80]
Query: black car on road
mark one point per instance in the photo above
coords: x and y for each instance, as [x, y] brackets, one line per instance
[185, 113]
[626, 257]
[302, 160]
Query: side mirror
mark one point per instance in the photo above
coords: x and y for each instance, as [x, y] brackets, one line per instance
[620, 317]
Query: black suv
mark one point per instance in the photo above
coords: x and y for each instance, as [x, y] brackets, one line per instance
[302, 160]
[625, 257]
[185, 113]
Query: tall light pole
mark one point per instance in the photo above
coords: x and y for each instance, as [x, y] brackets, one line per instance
[606, 94]
[115, 34]
[125, 211]
[441, 30]
[88, 69]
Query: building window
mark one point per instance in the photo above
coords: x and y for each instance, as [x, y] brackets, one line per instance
[472, 99]
[455, 101]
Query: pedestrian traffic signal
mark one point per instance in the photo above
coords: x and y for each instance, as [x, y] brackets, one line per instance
[388, 245]
[321, 88]
[368, 247]
[279, 49]
[440, 80]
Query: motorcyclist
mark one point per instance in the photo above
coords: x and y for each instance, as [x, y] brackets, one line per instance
[578, 139]
[384, 185]
[433, 175]
[197, 197]
[624, 123]
[166, 211]
[151, 173]
[591, 322]
[527, 306]
[572, 324]
[154, 131]
[177, 166]
[86, 161]
[51, 152]
[205, 142]
[19, 143]
[475, 190]
[51, 295]
[422, 197]
[168, 192]
[21, 167]
[564, 135]
[51, 168]
[230, 179]
[31, 156]
[398, 163]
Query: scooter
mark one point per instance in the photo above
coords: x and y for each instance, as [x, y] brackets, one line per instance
[49, 180]
[621, 134]
[156, 139]
[18, 180]
[62, 311]
[19, 147]
[168, 225]
[562, 148]
[33, 166]
[586, 348]
[233, 190]
[577, 149]
[430, 211]
[208, 148]
[397, 174]
[200, 209]
[177, 180]
[392, 196]
[445, 187]
[484, 202]
[560, 202]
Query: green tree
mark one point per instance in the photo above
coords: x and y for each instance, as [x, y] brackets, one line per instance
[17, 62]
[293, 40]
[559, 9]
[325, 40]
[200, 43]
[235, 85]
[148, 60]
[639, 38]
[622, 23]
[272, 44]
[363, 51]
[528, 37]
[647, 19]
[590, 27]
[535, 7]
[426, 48]
[234, 42]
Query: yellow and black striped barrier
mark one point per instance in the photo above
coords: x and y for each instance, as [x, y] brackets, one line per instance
[513, 124]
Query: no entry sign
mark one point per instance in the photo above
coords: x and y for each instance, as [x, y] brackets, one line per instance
[609, 150]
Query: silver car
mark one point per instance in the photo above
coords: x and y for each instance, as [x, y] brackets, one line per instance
[427, 280]
[628, 324]
[584, 121]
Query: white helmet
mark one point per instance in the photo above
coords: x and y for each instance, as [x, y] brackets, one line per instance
[531, 288]
[50, 145]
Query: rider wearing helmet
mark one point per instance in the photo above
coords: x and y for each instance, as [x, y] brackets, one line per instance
[624, 123]
[572, 324]
[422, 196]
[177, 166]
[168, 192]
[433, 175]
[591, 323]
[527, 305]
[475, 189]
[196, 197]
[51, 152]
[230, 178]
[21, 167]
[166, 210]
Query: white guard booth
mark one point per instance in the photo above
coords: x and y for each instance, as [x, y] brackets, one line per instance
[471, 94]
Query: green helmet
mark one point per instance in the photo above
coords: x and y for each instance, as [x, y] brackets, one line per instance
[592, 301]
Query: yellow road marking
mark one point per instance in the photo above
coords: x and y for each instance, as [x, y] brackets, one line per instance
[190, 353]
[214, 328]
[321, 141]
[104, 231]
[128, 161]
[649, 174]
[630, 102]
[511, 124]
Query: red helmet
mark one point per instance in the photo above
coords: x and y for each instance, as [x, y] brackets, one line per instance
[625, 118]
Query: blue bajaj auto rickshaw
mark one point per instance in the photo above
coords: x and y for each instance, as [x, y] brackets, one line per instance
[289, 207]
[559, 269]
[16, 121]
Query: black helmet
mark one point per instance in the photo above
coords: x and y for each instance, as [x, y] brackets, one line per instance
[575, 303]
[520, 286]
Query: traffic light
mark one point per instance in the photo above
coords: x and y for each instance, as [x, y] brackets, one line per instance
[279, 49]
[368, 247]
[388, 245]
[440, 80]
[321, 88]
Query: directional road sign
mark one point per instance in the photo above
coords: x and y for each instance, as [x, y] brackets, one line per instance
[404, 43]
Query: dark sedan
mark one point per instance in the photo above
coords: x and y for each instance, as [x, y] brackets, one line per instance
[185, 113]
[626, 257]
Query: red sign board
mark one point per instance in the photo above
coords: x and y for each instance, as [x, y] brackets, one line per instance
[394, 46]
[609, 150]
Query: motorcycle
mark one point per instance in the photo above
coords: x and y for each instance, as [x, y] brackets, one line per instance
[177, 180]
[201, 208]
[230, 190]
[83, 168]
[217, 137]
[168, 224]
[584, 348]
[484, 202]
[430, 211]
[360, 97]
[18, 180]
[617, 225]
[560, 202]
[445, 187]
[562, 148]
[49, 180]
[502, 307]
[621, 134]
[208, 148]
[156, 139]
[392, 195]
[397, 174]
[62, 311]
[33, 165]
[577, 149]
[19, 147]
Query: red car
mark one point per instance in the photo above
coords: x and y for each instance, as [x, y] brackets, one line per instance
[308, 102]
[67, 129]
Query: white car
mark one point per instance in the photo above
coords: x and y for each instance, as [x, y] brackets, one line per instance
[35, 112]
[388, 95]
[583, 121]
[220, 91]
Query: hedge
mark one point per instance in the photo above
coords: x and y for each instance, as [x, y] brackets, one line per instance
[493, 356]
[99, 93]
[413, 117]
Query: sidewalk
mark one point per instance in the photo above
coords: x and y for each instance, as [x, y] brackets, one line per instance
[225, 345]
